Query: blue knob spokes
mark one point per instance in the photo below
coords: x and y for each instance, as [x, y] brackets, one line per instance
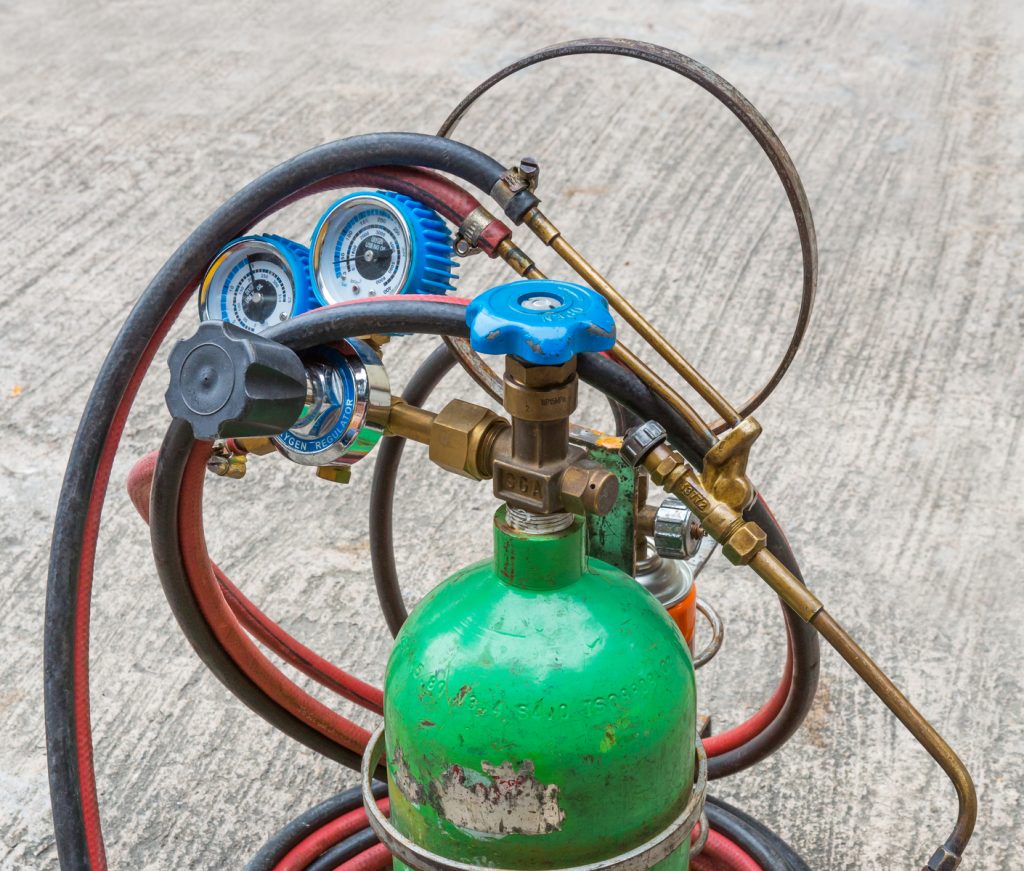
[543, 321]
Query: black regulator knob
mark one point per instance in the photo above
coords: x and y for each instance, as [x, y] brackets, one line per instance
[230, 383]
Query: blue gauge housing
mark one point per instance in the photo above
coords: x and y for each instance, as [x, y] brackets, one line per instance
[428, 263]
[293, 255]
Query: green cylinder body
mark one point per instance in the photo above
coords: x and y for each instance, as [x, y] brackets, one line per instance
[539, 711]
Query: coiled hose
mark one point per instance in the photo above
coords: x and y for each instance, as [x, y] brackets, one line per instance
[69, 742]
[69, 585]
[737, 842]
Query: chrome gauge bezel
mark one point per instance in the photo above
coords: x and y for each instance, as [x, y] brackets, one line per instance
[221, 267]
[345, 210]
[333, 433]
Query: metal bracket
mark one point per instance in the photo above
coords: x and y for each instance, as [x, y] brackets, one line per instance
[613, 537]
[648, 854]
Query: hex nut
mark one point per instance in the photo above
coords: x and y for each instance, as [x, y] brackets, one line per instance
[459, 433]
[335, 474]
[674, 536]
[539, 376]
[741, 547]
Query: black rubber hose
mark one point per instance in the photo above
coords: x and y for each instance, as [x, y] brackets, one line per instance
[315, 328]
[323, 326]
[183, 271]
[174, 453]
[281, 843]
[382, 491]
[432, 317]
[629, 391]
[754, 837]
[806, 665]
[351, 847]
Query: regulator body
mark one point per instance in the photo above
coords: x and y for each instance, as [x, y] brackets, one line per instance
[539, 710]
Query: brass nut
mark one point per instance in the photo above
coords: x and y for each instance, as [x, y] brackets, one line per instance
[335, 474]
[462, 438]
[741, 547]
[588, 489]
[539, 376]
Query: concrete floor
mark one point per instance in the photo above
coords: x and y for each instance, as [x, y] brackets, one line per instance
[892, 453]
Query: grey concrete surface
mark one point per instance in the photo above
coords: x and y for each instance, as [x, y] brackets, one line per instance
[892, 453]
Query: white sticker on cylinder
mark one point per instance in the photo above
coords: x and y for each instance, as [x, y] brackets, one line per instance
[502, 801]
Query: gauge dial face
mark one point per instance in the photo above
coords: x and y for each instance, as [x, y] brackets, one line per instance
[249, 285]
[362, 249]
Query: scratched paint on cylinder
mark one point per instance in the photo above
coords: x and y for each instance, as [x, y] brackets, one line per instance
[539, 711]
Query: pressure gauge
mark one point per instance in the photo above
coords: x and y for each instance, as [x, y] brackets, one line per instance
[379, 243]
[348, 397]
[256, 282]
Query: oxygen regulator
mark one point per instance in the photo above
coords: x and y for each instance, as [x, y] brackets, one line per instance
[540, 707]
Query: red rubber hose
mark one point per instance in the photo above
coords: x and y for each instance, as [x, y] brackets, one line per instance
[721, 854]
[267, 676]
[456, 201]
[326, 837]
[436, 191]
[256, 623]
[741, 734]
[83, 725]
[377, 858]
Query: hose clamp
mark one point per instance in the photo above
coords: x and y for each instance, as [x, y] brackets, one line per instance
[640, 858]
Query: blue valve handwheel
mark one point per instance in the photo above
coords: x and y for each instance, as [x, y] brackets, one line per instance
[543, 321]
[379, 243]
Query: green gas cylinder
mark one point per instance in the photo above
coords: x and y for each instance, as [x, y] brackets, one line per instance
[539, 711]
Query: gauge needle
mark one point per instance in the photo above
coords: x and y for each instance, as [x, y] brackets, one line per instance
[252, 275]
[368, 256]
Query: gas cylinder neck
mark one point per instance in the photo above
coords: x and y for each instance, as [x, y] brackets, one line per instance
[534, 561]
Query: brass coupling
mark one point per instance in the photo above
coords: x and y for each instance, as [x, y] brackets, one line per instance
[462, 438]
[226, 463]
[471, 441]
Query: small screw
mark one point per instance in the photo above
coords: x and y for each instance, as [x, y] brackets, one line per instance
[529, 169]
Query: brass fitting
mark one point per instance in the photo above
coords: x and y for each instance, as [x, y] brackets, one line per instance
[409, 421]
[540, 393]
[741, 540]
[464, 438]
[725, 465]
[588, 488]
[528, 473]
[226, 463]
[743, 545]
[258, 446]
[335, 474]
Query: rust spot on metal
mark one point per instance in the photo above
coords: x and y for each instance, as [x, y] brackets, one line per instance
[609, 739]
